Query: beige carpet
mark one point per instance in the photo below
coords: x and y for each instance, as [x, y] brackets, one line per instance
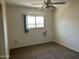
[43, 51]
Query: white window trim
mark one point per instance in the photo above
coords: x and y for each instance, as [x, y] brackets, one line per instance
[35, 22]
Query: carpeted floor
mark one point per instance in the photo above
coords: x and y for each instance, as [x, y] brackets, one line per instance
[43, 51]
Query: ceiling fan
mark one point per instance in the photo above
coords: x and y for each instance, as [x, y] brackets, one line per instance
[49, 4]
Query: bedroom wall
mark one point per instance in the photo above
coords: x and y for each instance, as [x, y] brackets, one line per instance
[16, 27]
[67, 25]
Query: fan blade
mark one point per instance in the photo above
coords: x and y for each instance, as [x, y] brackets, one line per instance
[53, 6]
[37, 4]
[42, 7]
[58, 3]
[48, 1]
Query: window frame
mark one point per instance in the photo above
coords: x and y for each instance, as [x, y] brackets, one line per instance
[25, 22]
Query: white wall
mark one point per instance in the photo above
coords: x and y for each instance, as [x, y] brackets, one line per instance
[16, 27]
[65, 28]
[67, 25]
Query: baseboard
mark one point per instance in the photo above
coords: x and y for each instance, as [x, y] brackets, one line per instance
[67, 46]
[33, 44]
[50, 42]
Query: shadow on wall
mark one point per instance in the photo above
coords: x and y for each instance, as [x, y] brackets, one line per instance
[67, 25]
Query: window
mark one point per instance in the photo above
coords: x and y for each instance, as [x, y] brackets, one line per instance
[34, 21]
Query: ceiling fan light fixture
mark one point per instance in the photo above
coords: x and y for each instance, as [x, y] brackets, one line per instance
[48, 5]
[48, 8]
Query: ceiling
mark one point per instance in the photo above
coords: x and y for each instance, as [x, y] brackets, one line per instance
[30, 2]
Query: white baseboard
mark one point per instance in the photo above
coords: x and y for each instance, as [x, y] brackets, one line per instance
[67, 46]
[33, 44]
